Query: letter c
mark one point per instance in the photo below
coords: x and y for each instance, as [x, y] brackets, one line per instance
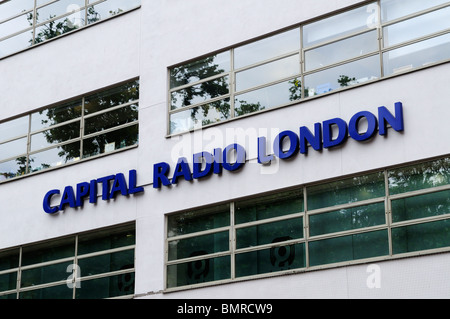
[46, 204]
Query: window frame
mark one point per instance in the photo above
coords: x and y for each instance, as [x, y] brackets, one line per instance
[382, 50]
[389, 225]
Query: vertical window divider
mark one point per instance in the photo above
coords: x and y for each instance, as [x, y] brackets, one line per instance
[306, 226]
[232, 83]
[19, 274]
[232, 242]
[27, 162]
[34, 23]
[76, 274]
[82, 127]
[302, 65]
[388, 211]
[380, 39]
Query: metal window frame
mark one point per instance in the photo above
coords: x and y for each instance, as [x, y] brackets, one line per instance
[74, 259]
[388, 225]
[81, 138]
[380, 25]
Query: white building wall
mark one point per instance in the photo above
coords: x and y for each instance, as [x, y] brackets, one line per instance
[162, 33]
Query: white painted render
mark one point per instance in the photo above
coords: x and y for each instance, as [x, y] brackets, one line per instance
[144, 43]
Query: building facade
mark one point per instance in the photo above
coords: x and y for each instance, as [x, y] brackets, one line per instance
[211, 149]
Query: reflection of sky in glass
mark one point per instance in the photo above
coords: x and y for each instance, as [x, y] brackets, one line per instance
[339, 25]
[394, 9]
[362, 70]
[417, 27]
[417, 54]
[342, 50]
[57, 9]
[268, 48]
[50, 158]
[14, 7]
[268, 72]
[14, 25]
[16, 43]
[13, 148]
[196, 118]
[14, 128]
[268, 97]
[111, 7]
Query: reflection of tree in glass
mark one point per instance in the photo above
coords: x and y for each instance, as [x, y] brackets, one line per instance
[22, 163]
[296, 90]
[94, 103]
[345, 80]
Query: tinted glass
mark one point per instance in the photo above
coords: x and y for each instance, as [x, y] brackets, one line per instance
[421, 206]
[277, 258]
[107, 120]
[55, 115]
[199, 245]
[55, 136]
[346, 191]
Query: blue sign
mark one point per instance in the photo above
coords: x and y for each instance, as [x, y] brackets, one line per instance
[75, 197]
[206, 163]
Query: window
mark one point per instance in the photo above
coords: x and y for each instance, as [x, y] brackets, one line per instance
[368, 42]
[88, 126]
[93, 265]
[24, 23]
[386, 214]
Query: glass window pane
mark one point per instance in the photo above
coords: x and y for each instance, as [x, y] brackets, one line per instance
[199, 245]
[349, 74]
[111, 119]
[108, 287]
[46, 274]
[54, 136]
[111, 141]
[106, 263]
[269, 206]
[394, 9]
[9, 259]
[267, 48]
[424, 175]
[270, 260]
[110, 8]
[342, 50]
[199, 271]
[8, 281]
[427, 205]
[269, 233]
[54, 157]
[200, 116]
[417, 55]
[16, 43]
[56, 115]
[346, 191]
[105, 99]
[11, 8]
[15, 25]
[13, 168]
[14, 128]
[421, 237]
[347, 219]
[340, 25]
[200, 69]
[58, 8]
[198, 220]
[55, 292]
[200, 93]
[13, 148]
[267, 97]
[417, 27]
[268, 72]
[43, 252]
[55, 28]
[106, 239]
[347, 248]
